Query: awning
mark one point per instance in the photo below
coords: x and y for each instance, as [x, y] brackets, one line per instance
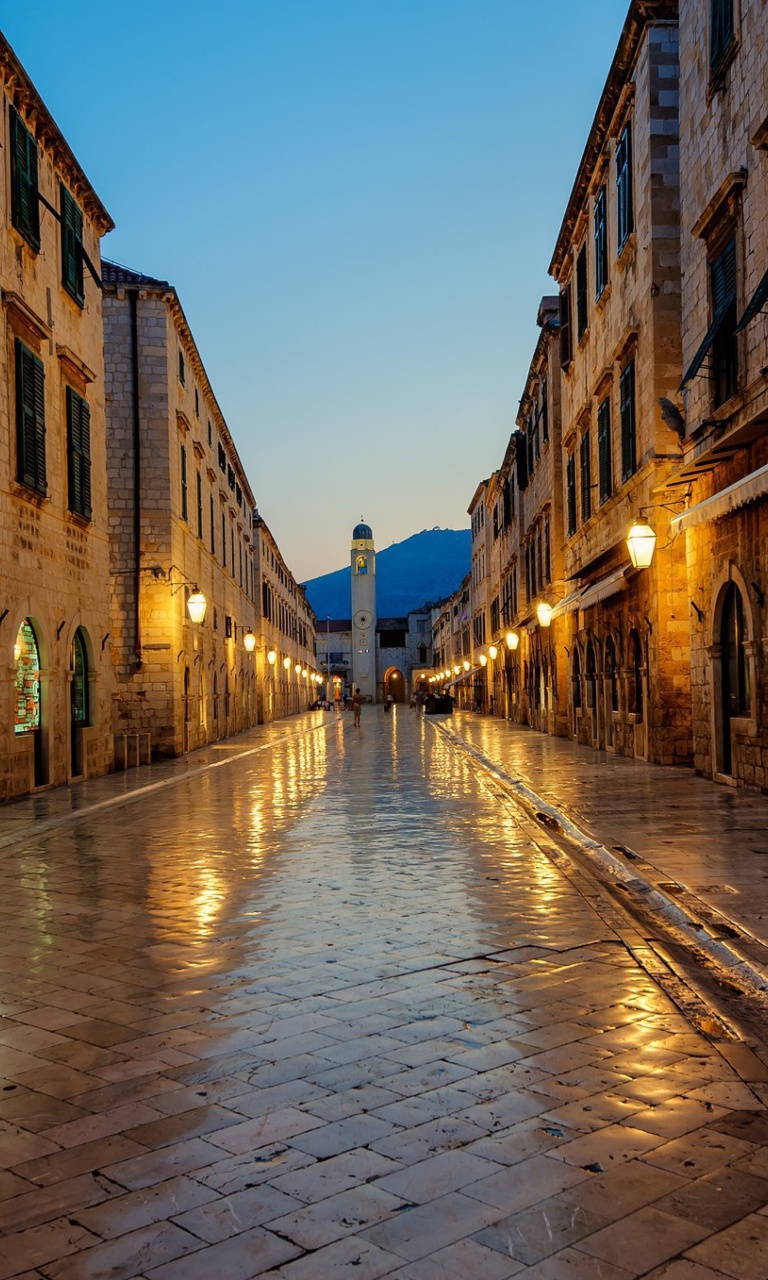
[752, 487]
[458, 679]
[567, 603]
[757, 302]
[602, 589]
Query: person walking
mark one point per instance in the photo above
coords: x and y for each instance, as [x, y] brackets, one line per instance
[357, 706]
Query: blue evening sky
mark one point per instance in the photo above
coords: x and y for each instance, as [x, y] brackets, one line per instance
[357, 201]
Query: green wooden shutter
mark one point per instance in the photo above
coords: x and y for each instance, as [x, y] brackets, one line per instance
[581, 293]
[604, 449]
[25, 208]
[627, 410]
[565, 327]
[601, 243]
[723, 278]
[625, 219]
[183, 482]
[30, 418]
[79, 453]
[570, 475]
[71, 247]
[585, 468]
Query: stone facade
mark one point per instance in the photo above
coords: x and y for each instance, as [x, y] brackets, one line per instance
[180, 518]
[55, 679]
[724, 217]
[285, 653]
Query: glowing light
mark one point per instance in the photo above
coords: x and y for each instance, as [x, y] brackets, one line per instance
[513, 640]
[271, 657]
[493, 652]
[544, 613]
[466, 665]
[483, 660]
[249, 641]
[286, 663]
[641, 542]
[196, 605]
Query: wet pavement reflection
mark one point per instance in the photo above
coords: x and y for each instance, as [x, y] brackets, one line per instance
[329, 1010]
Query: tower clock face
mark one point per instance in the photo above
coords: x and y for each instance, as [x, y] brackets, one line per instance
[363, 618]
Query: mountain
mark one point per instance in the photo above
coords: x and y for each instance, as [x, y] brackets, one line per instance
[425, 567]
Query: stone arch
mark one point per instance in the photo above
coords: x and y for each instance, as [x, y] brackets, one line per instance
[393, 684]
[732, 668]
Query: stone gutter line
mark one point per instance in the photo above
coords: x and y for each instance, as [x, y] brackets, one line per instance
[42, 826]
[547, 815]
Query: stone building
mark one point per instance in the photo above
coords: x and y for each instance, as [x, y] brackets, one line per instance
[55, 679]
[724, 478]
[180, 524]
[617, 265]
[285, 651]
[530, 640]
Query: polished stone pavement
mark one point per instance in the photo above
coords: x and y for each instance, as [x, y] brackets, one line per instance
[314, 1004]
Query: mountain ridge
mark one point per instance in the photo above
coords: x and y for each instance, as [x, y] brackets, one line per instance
[423, 568]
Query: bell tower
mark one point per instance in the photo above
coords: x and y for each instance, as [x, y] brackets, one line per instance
[363, 602]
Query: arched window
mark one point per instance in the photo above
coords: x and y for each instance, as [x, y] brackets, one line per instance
[736, 691]
[576, 677]
[362, 565]
[591, 674]
[636, 674]
[80, 700]
[27, 659]
[611, 673]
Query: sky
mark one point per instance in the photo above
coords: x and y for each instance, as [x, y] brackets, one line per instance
[357, 202]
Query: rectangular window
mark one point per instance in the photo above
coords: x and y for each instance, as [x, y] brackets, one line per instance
[529, 446]
[585, 469]
[604, 460]
[183, 482]
[722, 277]
[547, 553]
[625, 216]
[222, 460]
[25, 203]
[223, 540]
[570, 491]
[540, 558]
[565, 327]
[721, 30]
[232, 547]
[627, 412]
[581, 293]
[544, 410]
[30, 419]
[210, 435]
[528, 583]
[197, 403]
[231, 478]
[79, 453]
[182, 368]
[213, 526]
[601, 243]
[240, 560]
[199, 505]
[72, 247]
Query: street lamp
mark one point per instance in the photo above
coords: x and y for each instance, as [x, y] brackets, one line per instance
[513, 640]
[196, 605]
[286, 663]
[483, 660]
[271, 657]
[641, 542]
[544, 613]
[249, 641]
[493, 652]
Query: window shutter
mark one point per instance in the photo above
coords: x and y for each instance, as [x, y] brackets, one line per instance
[604, 449]
[570, 474]
[581, 293]
[547, 559]
[627, 409]
[720, 29]
[565, 327]
[183, 482]
[25, 209]
[79, 453]
[586, 477]
[30, 418]
[626, 220]
[723, 276]
[71, 247]
[601, 243]
[544, 410]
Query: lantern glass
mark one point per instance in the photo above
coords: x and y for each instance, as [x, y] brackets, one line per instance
[483, 660]
[271, 657]
[544, 613]
[196, 605]
[286, 663]
[249, 641]
[493, 652]
[513, 640]
[641, 542]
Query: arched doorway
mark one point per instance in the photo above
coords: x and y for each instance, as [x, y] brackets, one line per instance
[394, 685]
[611, 688]
[576, 689]
[734, 667]
[28, 717]
[79, 703]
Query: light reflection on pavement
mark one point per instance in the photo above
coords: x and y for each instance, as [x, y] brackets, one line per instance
[329, 1011]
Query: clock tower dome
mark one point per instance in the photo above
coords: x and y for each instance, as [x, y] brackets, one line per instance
[363, 603]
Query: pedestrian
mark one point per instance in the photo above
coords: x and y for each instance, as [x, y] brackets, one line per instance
[357, 706]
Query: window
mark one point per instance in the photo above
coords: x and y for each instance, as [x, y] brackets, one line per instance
[25, 206]
[79, 453]
[627, 412]
[183, 482]
[570, 488]
[494, 615]
[547, 553]
[544, 409]
[735, 668]
[604, 459]
[30, 419]
[199, 505]
[222, 459]
[210, 435]
[213, 526]
[612, 673]
[721, 31]
[722, 276]
[625, 217]
[231, 478]
[565, 327]
[182, 368]
[232, 547]
[72, 248]
[581, 293]
[585, 469]
[601, 243]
